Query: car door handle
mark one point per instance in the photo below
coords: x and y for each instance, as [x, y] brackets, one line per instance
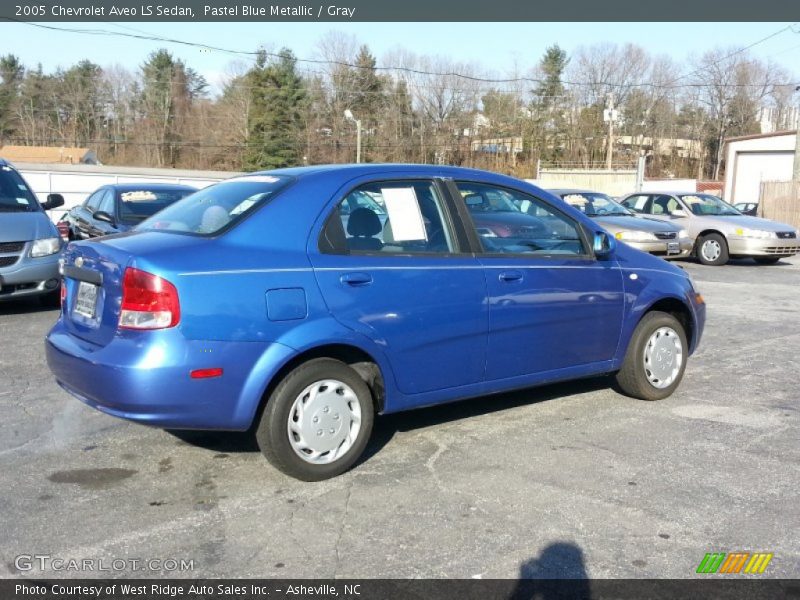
[356, 279]
[511, 276]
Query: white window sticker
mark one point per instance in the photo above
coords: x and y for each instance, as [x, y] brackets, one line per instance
[404, 214]
[138, 196]
[22, 200]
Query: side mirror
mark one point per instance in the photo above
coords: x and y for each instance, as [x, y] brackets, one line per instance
[678, 212]
[603, 244]
[53, 201]
[103, 216]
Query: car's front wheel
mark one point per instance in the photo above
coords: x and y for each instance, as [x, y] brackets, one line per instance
[317, 421]
[656, 358]
[712, 249]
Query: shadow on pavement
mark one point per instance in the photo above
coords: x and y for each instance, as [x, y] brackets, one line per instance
[559, 572]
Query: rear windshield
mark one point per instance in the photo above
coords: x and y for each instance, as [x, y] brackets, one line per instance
[15, 195]
[214, 208]
[136, 205]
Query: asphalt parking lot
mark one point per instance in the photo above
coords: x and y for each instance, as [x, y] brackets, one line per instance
[564, 481]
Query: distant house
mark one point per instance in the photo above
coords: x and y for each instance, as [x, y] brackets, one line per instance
[49, 155]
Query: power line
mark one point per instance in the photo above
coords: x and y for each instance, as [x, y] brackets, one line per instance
[402, 69]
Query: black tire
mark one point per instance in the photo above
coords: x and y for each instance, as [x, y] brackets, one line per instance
[710, 239]
[272, 434]
[632, 378]
[767, 260]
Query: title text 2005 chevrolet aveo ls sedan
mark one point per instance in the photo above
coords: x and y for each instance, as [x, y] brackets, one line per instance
[303, 301]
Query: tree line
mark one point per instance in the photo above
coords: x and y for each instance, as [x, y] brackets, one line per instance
[276, 111]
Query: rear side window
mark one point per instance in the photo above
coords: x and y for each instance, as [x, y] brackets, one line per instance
[137, 205]
[217, 207]
[15, 195]
[400, 217]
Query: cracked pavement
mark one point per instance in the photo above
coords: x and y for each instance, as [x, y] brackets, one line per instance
[566, 480]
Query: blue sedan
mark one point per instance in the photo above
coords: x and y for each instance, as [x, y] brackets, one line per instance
[120, 207]
[305, 301]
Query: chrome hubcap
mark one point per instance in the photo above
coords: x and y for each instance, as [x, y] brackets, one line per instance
[663, 357]
[711, 250]
[324, 421]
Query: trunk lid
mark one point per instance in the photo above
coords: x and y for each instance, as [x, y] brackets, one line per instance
[93, 273]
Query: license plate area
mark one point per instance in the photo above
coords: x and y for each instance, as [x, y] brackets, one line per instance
[673, 248]
[86, 300]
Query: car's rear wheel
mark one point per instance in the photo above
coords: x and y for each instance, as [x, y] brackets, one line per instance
[712, 249]
[656, 358]
[317, 421]
[766, 260]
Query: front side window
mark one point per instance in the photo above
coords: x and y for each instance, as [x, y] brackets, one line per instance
[392, 217]
[93, 201]
[511, 222]
[107, 203]
[217, 207]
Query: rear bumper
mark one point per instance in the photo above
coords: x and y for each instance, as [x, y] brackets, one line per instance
[144, 377]
[659, 248]
[29, 277]
[759, 247]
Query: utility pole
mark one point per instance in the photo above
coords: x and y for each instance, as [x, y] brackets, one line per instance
[609, 115]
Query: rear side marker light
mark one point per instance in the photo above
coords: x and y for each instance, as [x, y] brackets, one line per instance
[205, 373]
[148, 301]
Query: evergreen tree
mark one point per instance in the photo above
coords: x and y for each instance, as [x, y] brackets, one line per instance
[11, 72]
[278, 96]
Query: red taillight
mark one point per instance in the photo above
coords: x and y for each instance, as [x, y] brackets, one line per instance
[148, 301]
[63, 292]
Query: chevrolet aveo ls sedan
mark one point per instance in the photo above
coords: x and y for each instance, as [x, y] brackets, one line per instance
[282, 301]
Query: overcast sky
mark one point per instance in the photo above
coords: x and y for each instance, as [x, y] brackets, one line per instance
[497, 47]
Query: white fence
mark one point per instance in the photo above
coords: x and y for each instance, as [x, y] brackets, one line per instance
[76, 182]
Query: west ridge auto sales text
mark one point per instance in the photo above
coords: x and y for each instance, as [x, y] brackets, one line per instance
[174, 591]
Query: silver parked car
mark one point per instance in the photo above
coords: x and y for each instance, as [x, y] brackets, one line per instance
[649, 235]
[718, 229]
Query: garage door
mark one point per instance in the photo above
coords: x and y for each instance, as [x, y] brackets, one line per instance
[754, 167]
